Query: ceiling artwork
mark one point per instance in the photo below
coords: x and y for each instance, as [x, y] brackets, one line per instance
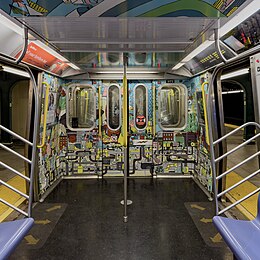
[121, 8]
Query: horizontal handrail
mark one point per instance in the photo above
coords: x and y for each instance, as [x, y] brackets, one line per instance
[239, 201]
[15, 153]
[238, 183]
[14, 171]
[14, 189]
[13, 207]
[15, 135]
[238, 165]
[237, 148]
[234, 131]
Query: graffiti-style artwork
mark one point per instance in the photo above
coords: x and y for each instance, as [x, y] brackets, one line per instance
[119, 8]
[154, 149]
[51, 163]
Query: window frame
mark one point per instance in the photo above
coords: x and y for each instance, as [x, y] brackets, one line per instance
[72, 87]
[146, 106]
[120, 107]
[185, 93]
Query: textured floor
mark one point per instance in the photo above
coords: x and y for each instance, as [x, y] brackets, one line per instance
[92, 227]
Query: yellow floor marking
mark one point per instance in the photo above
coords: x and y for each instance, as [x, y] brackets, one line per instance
[249, 205]
[31, 240]
[42, 222]
[195, 206]
[53, 208]
[206, 220]
[11, 196]
[217, 238]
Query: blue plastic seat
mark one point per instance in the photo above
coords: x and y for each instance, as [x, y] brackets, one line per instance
[241, 236]
[11, 234]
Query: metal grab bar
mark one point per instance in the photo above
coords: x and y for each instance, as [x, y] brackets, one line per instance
[237, 148]
[45, 114]
[13, 207]
[14, 171]
[216, 178]
[238, 165]
[14, 189]
[238, 183]
[239, 201]
[236, 130]
[15, 153]
[15, 135]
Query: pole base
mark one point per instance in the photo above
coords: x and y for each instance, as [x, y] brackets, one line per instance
[125, 219]
[129, 202]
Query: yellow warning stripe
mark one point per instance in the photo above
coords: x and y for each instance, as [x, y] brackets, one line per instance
[37, 7]
[11, 196]
[249, 206]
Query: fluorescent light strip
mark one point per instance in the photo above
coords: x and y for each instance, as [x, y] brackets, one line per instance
[16, 71]
[11, 25]
[232, 92]
[128, 72]
[235, 74]
[249, 10]
[194, 53]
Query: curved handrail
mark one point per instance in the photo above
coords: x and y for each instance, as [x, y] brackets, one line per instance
[45, 114]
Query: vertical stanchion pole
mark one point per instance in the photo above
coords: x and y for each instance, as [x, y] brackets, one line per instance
[125, 136]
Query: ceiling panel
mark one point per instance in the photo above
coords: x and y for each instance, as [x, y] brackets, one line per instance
[161, 34]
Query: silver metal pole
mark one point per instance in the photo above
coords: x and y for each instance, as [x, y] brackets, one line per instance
[125, 184]
[126, 144]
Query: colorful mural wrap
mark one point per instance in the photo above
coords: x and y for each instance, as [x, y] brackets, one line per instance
[124, 8]
[153, 151]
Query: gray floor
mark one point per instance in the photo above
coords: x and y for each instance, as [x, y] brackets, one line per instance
[241, 155]
[90, 224]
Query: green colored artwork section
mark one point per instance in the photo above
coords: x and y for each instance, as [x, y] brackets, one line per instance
[197, 5]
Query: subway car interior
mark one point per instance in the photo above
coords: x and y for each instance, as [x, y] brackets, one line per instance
[129, 129]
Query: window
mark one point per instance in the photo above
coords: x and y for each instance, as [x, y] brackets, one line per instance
[114, 107]
[141, 106]
[140, 58]
[172, 99]
[81, 108]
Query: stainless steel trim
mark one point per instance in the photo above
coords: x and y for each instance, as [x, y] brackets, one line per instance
[239, 201]
[237, 148]
[235, 130]
[14, 171]
[14, 189]
[16, 135]
[15, 153]
[238, 165]
[13, 207]
[238, 183]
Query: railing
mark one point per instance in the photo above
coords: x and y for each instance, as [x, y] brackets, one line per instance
[27, 179]
[218, 178]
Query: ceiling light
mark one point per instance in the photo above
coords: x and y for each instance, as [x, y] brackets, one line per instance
[247, 11]
[179, 65]
[11, 25]
[128, 72]
[235, 74]
[15, 71]
[232, 92]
